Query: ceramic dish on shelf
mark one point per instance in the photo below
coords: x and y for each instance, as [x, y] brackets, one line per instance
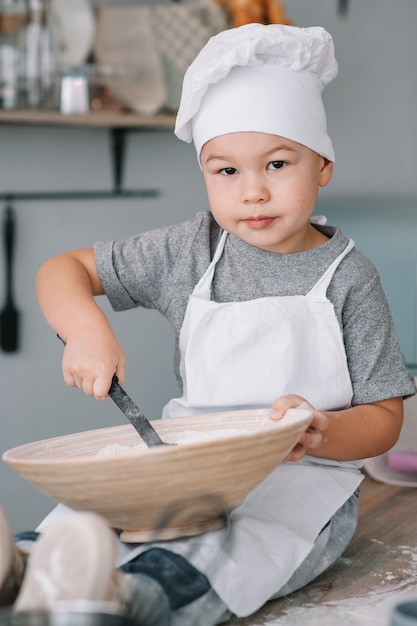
[162, 492]
[74, 27]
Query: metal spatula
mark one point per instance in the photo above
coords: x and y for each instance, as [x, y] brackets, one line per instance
[134, 415]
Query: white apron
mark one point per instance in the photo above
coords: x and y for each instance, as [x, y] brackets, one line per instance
[243, 354]
[246, 354]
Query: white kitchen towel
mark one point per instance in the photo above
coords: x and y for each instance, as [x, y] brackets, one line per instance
[148, 47]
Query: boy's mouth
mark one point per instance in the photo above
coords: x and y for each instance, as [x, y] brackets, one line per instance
[259, 221]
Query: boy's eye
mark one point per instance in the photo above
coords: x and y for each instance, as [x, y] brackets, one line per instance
[276, 165]
[228, 171]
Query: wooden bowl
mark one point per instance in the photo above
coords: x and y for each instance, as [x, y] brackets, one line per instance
[162, 492]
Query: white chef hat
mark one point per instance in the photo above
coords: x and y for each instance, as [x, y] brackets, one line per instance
[264, 78]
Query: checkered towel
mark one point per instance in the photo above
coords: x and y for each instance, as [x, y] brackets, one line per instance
[183, 29]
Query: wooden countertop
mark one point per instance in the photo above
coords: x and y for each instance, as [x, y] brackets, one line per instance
[377, 570]
[100, 119]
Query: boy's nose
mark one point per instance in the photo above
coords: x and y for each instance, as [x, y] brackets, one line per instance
[254, 191]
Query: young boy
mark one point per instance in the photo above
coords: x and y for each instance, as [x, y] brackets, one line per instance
[269, 310]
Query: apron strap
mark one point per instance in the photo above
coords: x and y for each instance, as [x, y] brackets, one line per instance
[320, 288]
[203, 287]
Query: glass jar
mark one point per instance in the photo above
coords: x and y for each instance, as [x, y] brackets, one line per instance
[12, 24]
[41, 60]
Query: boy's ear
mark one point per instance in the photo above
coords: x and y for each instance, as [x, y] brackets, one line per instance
[326, 172]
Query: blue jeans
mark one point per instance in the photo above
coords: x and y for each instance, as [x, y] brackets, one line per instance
[169, 591]
[199, 605]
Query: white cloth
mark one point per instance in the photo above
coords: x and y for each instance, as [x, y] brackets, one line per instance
[272, 532]
[264, 78]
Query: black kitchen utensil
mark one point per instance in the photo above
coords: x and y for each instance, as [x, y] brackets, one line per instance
[134, 415]
[343, 7]
[9, 315]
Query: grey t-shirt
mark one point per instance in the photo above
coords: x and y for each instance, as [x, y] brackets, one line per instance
[158, 269]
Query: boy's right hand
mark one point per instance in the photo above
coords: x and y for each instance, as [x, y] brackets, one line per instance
[91, 358]
[66, 286]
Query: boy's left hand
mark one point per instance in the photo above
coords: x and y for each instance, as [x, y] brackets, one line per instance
[313, 436]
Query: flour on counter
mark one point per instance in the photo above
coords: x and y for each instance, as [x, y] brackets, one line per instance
[372, 608]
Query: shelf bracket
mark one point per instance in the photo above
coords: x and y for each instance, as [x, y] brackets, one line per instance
[118, 147]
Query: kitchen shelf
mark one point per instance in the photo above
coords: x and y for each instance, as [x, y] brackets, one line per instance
[100, 119]
[118, 122]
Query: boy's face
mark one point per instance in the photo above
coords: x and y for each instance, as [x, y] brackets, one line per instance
[263, 188]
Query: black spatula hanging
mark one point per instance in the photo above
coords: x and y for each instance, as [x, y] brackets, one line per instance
[9, 315]
[343, 7]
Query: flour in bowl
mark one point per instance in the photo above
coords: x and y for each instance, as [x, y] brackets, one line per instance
[186, 436]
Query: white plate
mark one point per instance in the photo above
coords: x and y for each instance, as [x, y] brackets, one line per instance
[74, 27]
